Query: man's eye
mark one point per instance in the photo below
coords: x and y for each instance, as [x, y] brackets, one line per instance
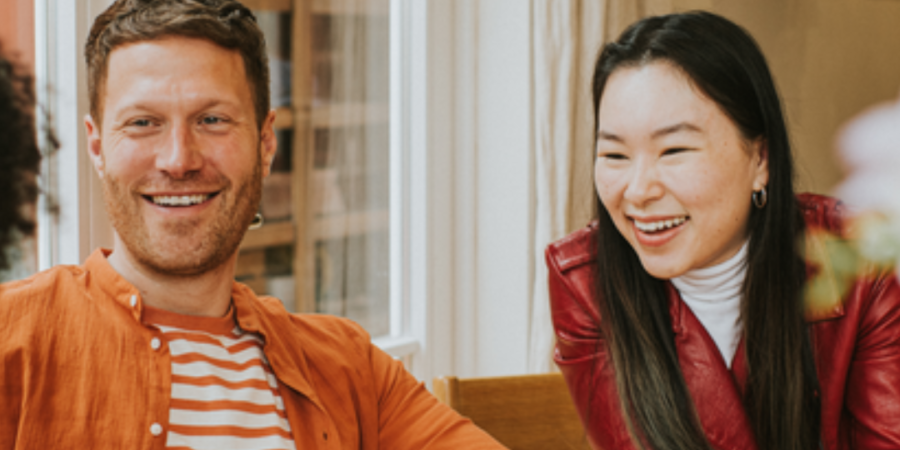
[212, 120]
[141, 122]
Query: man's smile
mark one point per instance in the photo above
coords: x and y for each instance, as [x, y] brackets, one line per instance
[179, 200]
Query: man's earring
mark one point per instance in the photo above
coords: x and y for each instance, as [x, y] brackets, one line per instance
[257, 222]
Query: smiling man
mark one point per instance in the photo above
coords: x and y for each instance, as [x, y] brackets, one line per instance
[152, 344]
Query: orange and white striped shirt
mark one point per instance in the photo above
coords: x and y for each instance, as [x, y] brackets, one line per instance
[224, 394]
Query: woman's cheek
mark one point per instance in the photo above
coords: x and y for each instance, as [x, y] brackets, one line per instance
[686, 180]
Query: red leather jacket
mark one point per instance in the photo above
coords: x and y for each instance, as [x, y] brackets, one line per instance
[856, 339]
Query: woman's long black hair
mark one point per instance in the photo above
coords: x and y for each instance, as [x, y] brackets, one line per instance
[781, 396]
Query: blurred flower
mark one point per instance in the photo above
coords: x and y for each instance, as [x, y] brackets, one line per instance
[870, 148]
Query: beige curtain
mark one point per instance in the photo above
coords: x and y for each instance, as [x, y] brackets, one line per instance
[567, 36]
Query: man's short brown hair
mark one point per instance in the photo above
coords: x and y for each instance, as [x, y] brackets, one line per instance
[226, 23]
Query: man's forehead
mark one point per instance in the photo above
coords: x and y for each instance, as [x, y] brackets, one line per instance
[188, 68]
[185, 47]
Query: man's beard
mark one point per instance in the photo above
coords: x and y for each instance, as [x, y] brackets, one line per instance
[184, 247]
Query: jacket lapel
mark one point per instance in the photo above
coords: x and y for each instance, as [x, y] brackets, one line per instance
[716, 396]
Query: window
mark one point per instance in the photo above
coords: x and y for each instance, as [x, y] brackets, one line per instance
[340, 219]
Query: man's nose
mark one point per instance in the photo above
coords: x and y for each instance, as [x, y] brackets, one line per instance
[644, 184]
[181, 154]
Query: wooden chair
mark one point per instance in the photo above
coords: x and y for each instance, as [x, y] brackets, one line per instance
[531, 412]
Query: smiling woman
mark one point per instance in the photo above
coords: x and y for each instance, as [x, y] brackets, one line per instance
[696, 269]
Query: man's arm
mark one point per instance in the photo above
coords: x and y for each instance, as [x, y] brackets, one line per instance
[410, 418]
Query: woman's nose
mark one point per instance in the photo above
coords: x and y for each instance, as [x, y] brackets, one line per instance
[644, 185]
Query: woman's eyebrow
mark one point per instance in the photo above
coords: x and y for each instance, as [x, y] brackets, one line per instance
[671, 129]
[678, 127]
[607, 136]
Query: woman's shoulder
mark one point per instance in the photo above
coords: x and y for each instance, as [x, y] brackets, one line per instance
[839, 282]
[823, 212]
[576, 249]
[571, 281]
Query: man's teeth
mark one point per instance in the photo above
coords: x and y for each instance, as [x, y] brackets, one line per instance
[651, 227]
[179, 200]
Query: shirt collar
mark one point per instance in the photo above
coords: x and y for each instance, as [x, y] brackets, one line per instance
[263, 316]
[283, 339]
[102, 278]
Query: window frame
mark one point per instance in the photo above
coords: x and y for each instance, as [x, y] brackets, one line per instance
[72, 220]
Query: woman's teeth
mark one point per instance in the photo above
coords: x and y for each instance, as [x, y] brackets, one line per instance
[652, 227]
[179, 200]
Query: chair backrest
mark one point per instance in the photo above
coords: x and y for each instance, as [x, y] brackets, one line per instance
[530, 412]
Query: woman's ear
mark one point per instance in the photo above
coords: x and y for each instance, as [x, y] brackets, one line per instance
[760, 152]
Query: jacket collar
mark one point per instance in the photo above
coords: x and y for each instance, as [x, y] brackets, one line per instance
[712, 386]
[826, 262]
[716, 390]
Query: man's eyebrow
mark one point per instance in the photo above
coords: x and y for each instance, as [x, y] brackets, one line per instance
[150, 106]
[682, 126]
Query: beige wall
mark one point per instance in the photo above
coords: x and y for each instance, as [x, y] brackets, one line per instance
[17, 30]
[830, 58]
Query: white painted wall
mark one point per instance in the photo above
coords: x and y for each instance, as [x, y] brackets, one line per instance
[503, 174]
[481, 86]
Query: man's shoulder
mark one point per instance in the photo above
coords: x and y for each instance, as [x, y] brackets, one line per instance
[322, 328]
[322, 340]
[28, 306]
[41, 285]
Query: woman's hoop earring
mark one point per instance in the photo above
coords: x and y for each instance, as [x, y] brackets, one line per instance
[760, 198]
[257, 222]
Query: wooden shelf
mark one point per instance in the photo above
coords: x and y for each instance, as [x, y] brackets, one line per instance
[351, 224]
[333, 116]
[366, 7]
[268, 5]
[284, 118]
[333, 226]
[349, 114]
[326, 7]
[270, 235]
[309, 113]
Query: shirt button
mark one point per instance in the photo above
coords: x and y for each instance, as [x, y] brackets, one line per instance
[133, 301]
[156, 429]
[155, 343]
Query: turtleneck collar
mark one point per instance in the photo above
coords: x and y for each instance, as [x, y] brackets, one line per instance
[717, 283]
[714, 296]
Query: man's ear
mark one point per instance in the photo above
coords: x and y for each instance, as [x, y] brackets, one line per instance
[760, 148]
[268, 143]
[94, 147]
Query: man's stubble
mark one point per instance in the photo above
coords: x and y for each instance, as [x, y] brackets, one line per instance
[182, 248]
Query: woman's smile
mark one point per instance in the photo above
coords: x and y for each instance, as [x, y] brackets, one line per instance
[655, 232]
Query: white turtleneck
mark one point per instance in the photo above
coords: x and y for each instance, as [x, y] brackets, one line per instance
[714, 295]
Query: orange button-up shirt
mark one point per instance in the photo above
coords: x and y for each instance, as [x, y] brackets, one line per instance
[80, 369]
